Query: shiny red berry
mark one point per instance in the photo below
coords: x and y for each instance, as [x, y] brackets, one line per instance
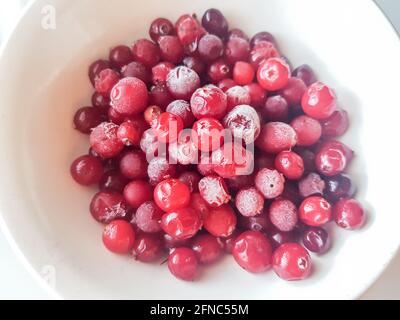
[319, 101]
[119, 236]
[220, 222]
[273, 74]
[183, 264]
[172, 194]
[182, 223]
[349, 214]
[315, 211]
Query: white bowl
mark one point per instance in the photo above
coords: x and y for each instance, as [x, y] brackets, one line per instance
[43, 80]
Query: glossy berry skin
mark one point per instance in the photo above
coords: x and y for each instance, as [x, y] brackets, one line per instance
[137, 192]
[214, 191]
[278, 237]
[147, 247]
[259, 222]
[219, 70]
[305, 73]
[188, 29]
[275, 108]
[133, 165]
[208, 134]
[160, 72]
[283, 214]
[340, 186]
[215, 23]
[276, 137]
[199, 205]
[315, 211]
[319, 101]
[86, 170]
[146, 52]
[119, 236]
[336, 125]
[87, 118]
[308, 130]
[237, 49]
[120, 56]
[270, 183]
[182, 223]
[207, 247]
[105, 81]
[107, 206]
[129, 134]
[113, 180]
[291, 262]
[167, 127]
[104, 140]
[96, 67]
[210, 47]
[182, 109]
[171, 49]
[160, 169]
[294, 90]
[316, 239]
[290, 164]
[161, 27]
[183, 264]
[249, 202]
[182, 82]
[273, 74]
[257, 94]
[136, 70]
[236, 96]
[209, 101]
[148, 217]
[252, 251]
[349, 214]
[333, 157]
[171, 195]
[220, 222]
[261, 52]
[243, 73]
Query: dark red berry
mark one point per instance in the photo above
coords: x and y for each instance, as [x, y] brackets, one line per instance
[316, 239]
[333, 158]
[339, 186]
[113, 180]
[259, 222]
[210, 47]
[349, 214]
[147, 247]
[86, 170]
[182, 263]
[171, 49]
[336, 125]
[133, 165]
[159, 95]
[100, 102]
[96, 67]
[182, 223]
[214, 22]
[290, 164]
[120, 56]
[312, 184]
[161, 27]
[119, 236]
[305, 73]
[171, 195]
[191, 179]
[237, 49]
[107, 206]
[146, 52]
[294, 90]
[195, 64]
[87, 118]
[219, 70]
[261, 37]
[136, 70]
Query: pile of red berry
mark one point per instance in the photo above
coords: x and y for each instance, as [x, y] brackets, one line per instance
[162, 158]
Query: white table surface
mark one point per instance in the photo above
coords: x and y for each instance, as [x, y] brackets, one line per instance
[17, 283]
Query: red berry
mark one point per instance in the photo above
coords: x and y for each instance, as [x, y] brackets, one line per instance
[276, 137]
[147, 247]
[262, 37]
[238, 33]
[167, 127]
[172, 194]
[290, 164]
[253, 252]
[240, 182]
[311, 185]
[219, 70]
[308, 130]
[96, 67]
[261, 52]
[214, 22]
[236, 96]
[136, 70]
[182, 109]
[194, 63]
[226, 84]
[148, 217]
[87, 118]
[182, 262]
[294, 90]
[86, 170]
[237, 49]
[137, 192]
[319, 101]
[104, 140]
[119, 236]
[259, 222]
[171, 243]
[159, 95]
[208, 134]
[270, 183]
[182, 223]
[257, 94]
[229, 241]
[275, 109]
[205, 166]
[249, 202]
[160, 72]
[243, 73]
[210, 47]
[336, 125]
[115, 117]
[283, 214]
[184, 150]
[291, 262]
[199, 204]
[161, 27]
[349, 214]
[171, 49]
[120, 56]
[151, 114]
[146, 52]
[264, 160]
[105, 81]
[333, 157]
[220, 222]
[208, 101]
[214, 191]
[191, 179]
[273, 74]
[182, 82]
[133, 165]
[305, 73]
[316, 239]
[207, 247]
[315, 211]
[107, 206]
[188, 29]
[100, 102]
[129, 134]
[160, 169]
[339, 186]
[113, 180]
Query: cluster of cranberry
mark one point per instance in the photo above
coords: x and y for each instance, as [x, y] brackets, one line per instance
[194, 201]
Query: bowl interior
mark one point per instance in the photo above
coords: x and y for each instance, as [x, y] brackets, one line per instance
[43, 80]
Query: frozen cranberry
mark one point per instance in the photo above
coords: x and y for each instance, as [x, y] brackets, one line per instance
[339, 186]
[290, 164]
[308, 130]
[120, 56]
[315, 211]
[105, 81]
[261, 52]
[86, 170]
[283, 214]
[160, 72]
[237, 49]
[181, 108]
[333, 157]
[232, 160]
[147, 247]
[195, 64]
[214, 22]
[161, 27]
[182, 223]
[137, 192]
[100, 102]
[260, 222]
[96, 67]
[137, 70]
[291, 262]
[191, 179]
[208, 101]
[160, 169]
[276, 137]
[278, 237]
[257, 94]
[208, 134]
[151, 114]
[159, 95]
[270, 183]
[182, 263]
[172, 194]
[146, 52]
[167, 127]
[220, 222]
[119, 236]
[336, 125]
[184, 150]
[129, 134]
[237, 95]
[275, 109]
[107, 206]
[226, 84]
[205, 166]
[305, 73]
[311, 185]
[104, 140]
[148, 217]
[294, 90]
[249, 202]
[210, 47]
[115, 117]
[244, 123]
[207, 247]
[261, 37]
[273, 74]
[171, 49]
[316, 239]
[199, 205]
[133, 165]
[219, 70]
[238, 33]
[319, 101]
[182, 82]
[87, 118]
[252, 251]
[349, 214]
[150, 145]
[188, 29]
[214, 190]
[113, 180]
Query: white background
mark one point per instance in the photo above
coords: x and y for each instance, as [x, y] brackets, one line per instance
[16, 283]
